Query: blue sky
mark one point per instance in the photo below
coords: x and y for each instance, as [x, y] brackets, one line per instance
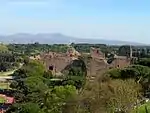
[108, 19]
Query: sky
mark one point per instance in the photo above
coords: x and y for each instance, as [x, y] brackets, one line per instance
[127, 20]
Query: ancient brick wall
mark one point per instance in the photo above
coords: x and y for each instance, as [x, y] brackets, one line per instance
[96, 53]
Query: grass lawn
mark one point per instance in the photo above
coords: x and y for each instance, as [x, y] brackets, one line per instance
[7, 73]
[141, 109]
[4, 85]
[2, 100]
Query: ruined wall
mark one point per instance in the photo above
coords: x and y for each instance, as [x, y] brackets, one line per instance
[58, 60]
[96, 53]
[120, 62]
[72, 52]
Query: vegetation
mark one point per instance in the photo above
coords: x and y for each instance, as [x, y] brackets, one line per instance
[3, 48]
[4, 85]
[140, 73]
[2, 100]
[36, 48]
[109, 96]
[33, 87]
[8, 61]
[36, 90]
[145, 108]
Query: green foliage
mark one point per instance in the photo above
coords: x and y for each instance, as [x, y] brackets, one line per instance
[134, 71]
[141, 74]
[76, 74]
[144, 62]
[86, 47]
[2, 100]
[29, 79]
[36, 48]
[124, 50]
[108, 96]
[34, 68]
[114, 73]
[29, 108]
[48, 74]
[77, 81]
[8, 61]
[144, 108]
[3, 48]
[34, 95]
[55, 99]
[64, 92]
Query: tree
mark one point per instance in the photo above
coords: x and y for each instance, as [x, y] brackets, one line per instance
[33, 90]
[48, 74]
[144, 62]
[55, 99]
[124, 50]
[108, 96]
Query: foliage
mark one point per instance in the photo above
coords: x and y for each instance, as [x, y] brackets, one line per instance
[33, 95]
[38, 92]
[3, 48]
[36, 48]
[76, 74]
[77, 81]
[48, 74]
[85, 48]
[124, 50]
[144, 62]
[56, 98]
[114, 73]
[8, 61]
[107, 97]
[138, 72]
[25, 108]
[144, 108]
[141, 74]
[2, 100]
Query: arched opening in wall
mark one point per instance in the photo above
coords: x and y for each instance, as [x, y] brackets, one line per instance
[51, 67]
[97, 51]
[79, 65]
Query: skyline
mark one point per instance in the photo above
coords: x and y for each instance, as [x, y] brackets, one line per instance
[127, 20]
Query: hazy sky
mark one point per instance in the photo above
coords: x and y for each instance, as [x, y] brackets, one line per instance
[107, 19]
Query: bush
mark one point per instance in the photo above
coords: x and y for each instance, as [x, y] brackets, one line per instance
[114, 73]
[144, 62]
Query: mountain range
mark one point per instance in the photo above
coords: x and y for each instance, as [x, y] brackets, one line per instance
[57, 38]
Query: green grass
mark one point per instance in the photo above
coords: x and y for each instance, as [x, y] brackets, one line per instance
[2, 100]
[7, 73]
[141, 109]
[3, 47]
[4, 85]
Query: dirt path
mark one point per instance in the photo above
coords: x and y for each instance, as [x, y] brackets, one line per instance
[5, 75]
[10, 72]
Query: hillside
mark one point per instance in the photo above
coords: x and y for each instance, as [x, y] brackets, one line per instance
[56, 38]
[3, 47]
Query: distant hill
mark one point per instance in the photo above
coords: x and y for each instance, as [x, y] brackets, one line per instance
[56, 38]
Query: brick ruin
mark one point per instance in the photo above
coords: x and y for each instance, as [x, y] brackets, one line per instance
[59, 60]
[119, 61]
[98, 62]
[96, 53]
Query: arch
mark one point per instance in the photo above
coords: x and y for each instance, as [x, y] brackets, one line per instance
[77, 63]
